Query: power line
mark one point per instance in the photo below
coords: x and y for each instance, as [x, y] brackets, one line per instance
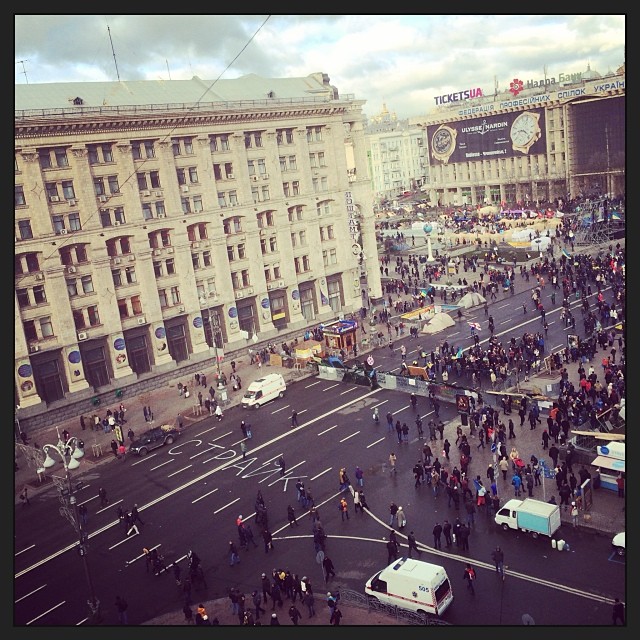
[23, 68]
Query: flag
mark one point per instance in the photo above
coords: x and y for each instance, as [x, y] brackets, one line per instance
[565, 253]
[475, 325]
[459, 354]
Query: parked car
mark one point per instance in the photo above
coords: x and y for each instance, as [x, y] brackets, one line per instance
[618, 543]
[154, 438]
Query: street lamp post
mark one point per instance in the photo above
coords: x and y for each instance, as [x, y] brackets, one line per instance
[214, 334]
[70, 453]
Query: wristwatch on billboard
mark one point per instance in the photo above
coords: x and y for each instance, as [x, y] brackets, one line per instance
[525, 131]
[443, 143]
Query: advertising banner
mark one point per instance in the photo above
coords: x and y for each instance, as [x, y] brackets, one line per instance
[499, 136]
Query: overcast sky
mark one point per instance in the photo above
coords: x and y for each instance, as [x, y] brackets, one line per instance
[403, 61]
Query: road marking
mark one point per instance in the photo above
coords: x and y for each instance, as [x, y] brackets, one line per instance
[348, 437]
[28, 595]
[162, 464]
[44, 613]
[319, 475]
[331, 387]
[379, 404]
[327, 430]
[375, 442]
[225, 506]
[204, 496]
[349, 390]
[313, 384]
[286, 406]
[175, 473]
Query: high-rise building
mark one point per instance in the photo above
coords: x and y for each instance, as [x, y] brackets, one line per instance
[162, 223]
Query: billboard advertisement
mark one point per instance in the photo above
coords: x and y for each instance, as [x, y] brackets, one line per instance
[500, 136]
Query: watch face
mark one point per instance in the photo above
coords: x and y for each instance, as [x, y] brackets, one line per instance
[442, 141]
[523, 129]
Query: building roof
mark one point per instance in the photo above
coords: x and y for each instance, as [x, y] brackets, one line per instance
[63, 95]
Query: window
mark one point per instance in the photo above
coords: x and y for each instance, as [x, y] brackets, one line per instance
[263, 245]
[143, 149]
[321, 161]
[136, 305]
[116, 274]
[186, 205]
[142, 181]
[323, 208]
[74, 222]
[165, 238]
[18, 198]
[314, 134]
[94, 317]
[262, 167]
[130, 275]
[58, 224]
[241, 252]
[171, 267]
[296, 188]
[252, 167]
[98, 186]
[219, 143]
[61, 157]
[330, 232]
[247, 141]
[181, 176]
[276, 271]
[147, 214]
[87, 284]
[306, 264]
[273, 244]
[195, 261]
[231, 254]
[24, 230]
[157, 267]
[222, 199]
[44, 158]
[23, 298]
[294, 240]
[114, 185]
[162, 298]
[265, 193]
[283, 163]
[193, 175]
[155, 179]
[235, 280]
[197, 204]
[161, 212]
[267, 275]
[206, 258]
[313, 160]
[255, 195]
[30, 333]
[67, 190]
[303, 238]
[329, 257]
[285, 188]
[258, 139]
[107, 152]
[233, 198]
[46, 327]
[246, 282]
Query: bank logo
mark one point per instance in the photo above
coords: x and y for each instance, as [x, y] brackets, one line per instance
[516, 86]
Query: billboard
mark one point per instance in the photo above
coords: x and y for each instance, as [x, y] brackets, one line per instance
[500, 136]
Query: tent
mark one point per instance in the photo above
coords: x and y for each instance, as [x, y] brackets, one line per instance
[471, 299]
[439, 322]
[490, 208]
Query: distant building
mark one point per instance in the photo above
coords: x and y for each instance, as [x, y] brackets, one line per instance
[156, 220]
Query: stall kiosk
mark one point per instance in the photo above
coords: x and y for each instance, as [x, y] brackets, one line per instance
[340, 334]
[307, 351]
[611, 463]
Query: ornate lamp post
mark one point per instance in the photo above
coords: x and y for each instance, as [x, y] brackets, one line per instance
[70, 453]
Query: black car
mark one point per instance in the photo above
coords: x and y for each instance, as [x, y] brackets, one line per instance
[154, 438]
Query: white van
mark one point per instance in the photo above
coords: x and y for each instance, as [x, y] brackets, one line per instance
[263, 390]
[412, 584]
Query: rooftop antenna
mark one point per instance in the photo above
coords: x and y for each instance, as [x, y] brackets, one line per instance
[23, 69]
[114, 53]
[168, 70]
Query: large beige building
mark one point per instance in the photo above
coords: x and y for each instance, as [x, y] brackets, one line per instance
[159, 222]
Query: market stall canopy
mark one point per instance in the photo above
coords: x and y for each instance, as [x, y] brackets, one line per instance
[439, 322]
[471, 299]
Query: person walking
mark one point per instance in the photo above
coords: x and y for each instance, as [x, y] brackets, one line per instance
[336, 616]
[411, 539]
[257, 603]
[392, 550]
[497, 555]
[470, 576]
[291, 516]
[504, 467]
[135, 515]
[282, 464]
[329, 569]
[574, 514]
[294, 614]
[344, 509]
[392, 463]
[437, 535]
[294, 418]
[401, 518]
[102, 493]
[268, 540]
[393, 510]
